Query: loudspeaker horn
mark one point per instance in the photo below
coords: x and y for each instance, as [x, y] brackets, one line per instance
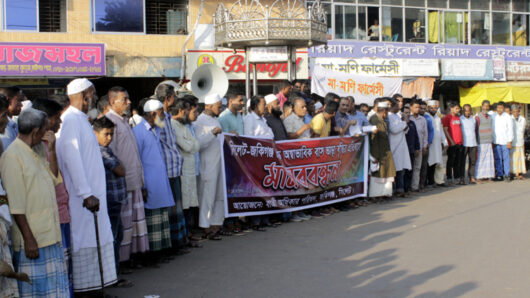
[208, 79]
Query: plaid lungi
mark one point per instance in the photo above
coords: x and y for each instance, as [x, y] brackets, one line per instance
[67, 244]
[135, 238]
[518, 165]
[158, 228]
[485, 166]
[8, 286]
[86, 268]
[47, 273]
[177, 221]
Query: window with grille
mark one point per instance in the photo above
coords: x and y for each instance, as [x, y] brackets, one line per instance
[166, 16]
[52, 15]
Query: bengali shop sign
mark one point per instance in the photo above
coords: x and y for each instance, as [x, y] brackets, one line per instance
[518, 71]
[381, 67]
[363, 88]
[234, 65]
[263, 176]
[467, 69]
[52, 59]
[359, 49]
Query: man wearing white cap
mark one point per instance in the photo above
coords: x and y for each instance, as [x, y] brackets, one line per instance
[439, 143]
[274, 111]
[84, 175]
[207, 128]
[156, 182]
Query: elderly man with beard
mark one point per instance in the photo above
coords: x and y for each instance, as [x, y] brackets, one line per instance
[156, 183]
[211, 197]
[188, 146]
[439, 143]
[84, 175]
[273, 117]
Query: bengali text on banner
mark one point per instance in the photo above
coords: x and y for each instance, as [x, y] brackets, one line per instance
[363, 88]
[264, 177]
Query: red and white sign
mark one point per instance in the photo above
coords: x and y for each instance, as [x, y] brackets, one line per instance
[234, 65]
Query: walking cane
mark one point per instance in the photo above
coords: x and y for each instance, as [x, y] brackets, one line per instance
[99, 255]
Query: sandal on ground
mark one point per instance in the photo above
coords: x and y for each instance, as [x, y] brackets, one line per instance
[224, 232]
[258, 228]
[194, 238]
[124, 283]
[211, 236]
[194, 244]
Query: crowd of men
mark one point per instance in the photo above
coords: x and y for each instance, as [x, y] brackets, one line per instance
[80, 185]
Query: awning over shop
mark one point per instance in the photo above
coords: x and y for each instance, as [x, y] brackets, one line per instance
[495, 92]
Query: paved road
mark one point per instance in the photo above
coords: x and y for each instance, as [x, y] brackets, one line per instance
[470, 241]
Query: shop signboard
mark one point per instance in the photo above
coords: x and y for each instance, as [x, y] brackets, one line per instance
[467, 69]
[386, 50]
[518, 71]
[381, 67]
[363, 88]
[268, 54]
[499, 68]
[52, 59]
[234, 65]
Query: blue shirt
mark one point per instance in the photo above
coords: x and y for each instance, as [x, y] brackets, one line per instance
[430, 128]
[156, 182]
[307, 118]
[230, 122]
[170, 150]
[10, 134]
[116, 185]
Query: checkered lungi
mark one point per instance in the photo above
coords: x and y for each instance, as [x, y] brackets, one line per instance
[517, 160]
[158, 228]
[177, 221]
[47, 273]
[86, 268]
[135, 238]
[8, 286]
[485, 166]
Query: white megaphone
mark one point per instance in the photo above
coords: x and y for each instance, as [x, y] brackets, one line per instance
[208, 79]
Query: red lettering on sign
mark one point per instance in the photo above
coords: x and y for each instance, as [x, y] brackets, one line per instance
[236, 63]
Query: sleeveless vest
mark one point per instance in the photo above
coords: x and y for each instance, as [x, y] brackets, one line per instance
[485, 129]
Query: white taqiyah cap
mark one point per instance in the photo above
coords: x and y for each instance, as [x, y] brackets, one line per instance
[78, 86]
[270, 98]
[432, 103]
[318, 105]
[152, 105]
[212, 99]
[26, 104]
[383, 104]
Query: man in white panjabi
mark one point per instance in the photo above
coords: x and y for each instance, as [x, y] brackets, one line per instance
[255, 124]
[439, 143]
[84, 175]
[398, 144]
[211, 196]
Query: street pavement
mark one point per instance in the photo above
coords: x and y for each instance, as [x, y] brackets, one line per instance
[467, 241]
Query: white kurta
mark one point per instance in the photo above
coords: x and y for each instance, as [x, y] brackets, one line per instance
[81, 165]
[398, 142]
[257, 126]
[211, 196]
[436, 150]
[188, 146]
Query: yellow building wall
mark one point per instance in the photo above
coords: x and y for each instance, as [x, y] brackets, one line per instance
[149, 45]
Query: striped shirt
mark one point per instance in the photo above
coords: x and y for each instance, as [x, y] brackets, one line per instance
[170, 150]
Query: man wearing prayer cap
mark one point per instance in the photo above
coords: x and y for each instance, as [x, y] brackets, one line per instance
[156, 182]
[439, 143]
[273, 117]
[81, 164]
[207, 129]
